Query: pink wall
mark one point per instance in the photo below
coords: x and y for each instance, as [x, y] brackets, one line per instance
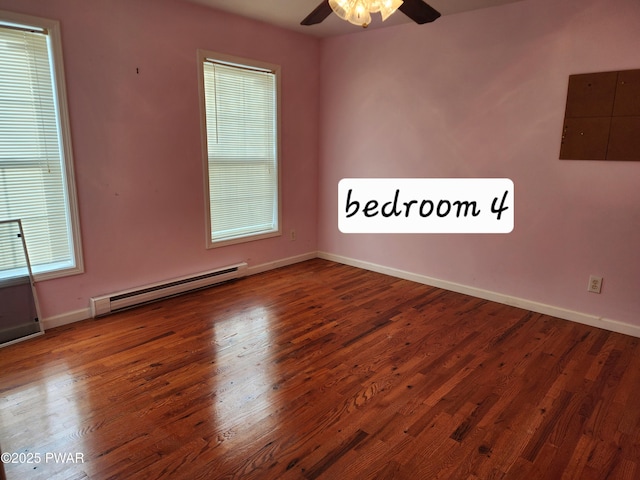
[482, 94]
[136, 139]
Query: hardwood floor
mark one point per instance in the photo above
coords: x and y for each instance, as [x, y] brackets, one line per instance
[323, 371]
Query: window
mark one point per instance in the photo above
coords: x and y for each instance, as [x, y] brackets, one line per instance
[36, 176]
[240, 148]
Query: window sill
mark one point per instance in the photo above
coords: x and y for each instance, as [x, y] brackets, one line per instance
[243, 239]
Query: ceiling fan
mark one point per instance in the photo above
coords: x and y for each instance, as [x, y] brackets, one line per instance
[416, 10]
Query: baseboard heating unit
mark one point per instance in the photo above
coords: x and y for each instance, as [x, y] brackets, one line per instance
[115, 302]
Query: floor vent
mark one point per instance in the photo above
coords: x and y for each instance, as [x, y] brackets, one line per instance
[115, 302]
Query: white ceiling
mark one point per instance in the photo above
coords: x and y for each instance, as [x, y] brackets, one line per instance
[289, 13]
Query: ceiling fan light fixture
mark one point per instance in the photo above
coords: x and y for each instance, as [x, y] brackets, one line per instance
[385, 7]
[359, 12]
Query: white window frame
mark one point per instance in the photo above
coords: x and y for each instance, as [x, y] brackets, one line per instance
[206, 55]
[60, 93]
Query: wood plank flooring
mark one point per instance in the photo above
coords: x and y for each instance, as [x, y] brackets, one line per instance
[323, 371]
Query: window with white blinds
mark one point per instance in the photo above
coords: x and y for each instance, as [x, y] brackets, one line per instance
[35, 163]
[240, 104]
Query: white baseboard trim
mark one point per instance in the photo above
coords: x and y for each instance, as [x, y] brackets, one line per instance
[571, 315]
[559, 312]
[252, 270]
[85, 313]
[66, 318]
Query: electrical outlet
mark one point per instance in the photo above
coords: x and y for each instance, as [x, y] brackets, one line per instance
[595, 284]
[292, 235]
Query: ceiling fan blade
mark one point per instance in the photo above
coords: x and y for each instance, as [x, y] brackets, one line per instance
[321, 12]
[418, 11]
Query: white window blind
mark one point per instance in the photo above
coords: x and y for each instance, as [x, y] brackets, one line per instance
[33, 186]
[242, 150]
